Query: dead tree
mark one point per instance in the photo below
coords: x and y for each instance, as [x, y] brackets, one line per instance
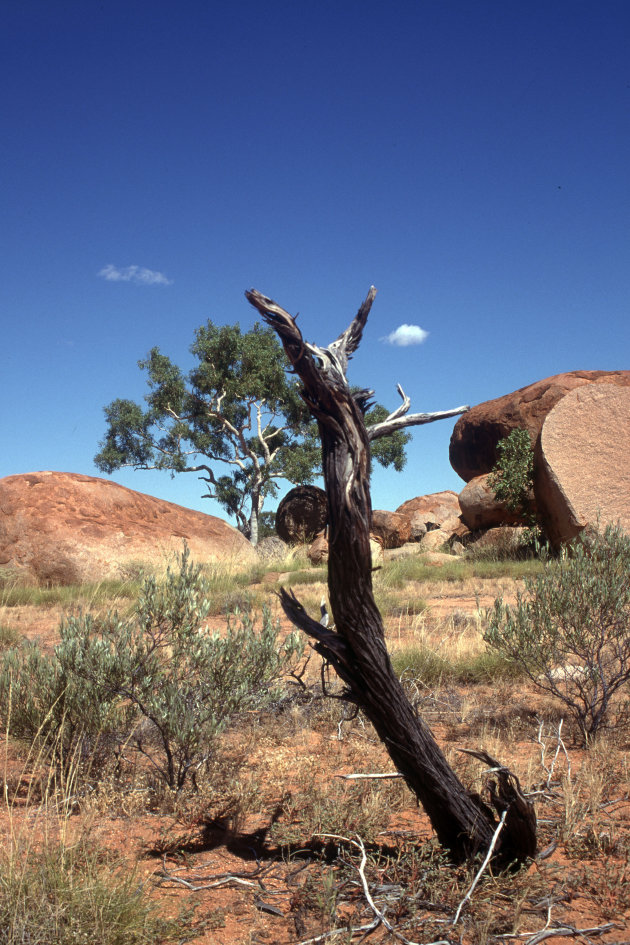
[465, 824]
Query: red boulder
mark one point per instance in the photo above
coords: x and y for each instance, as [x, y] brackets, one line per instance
[476, 434]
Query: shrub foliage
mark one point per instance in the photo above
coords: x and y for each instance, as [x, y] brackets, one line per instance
[158, 683]
[570, 630]
[512, 477]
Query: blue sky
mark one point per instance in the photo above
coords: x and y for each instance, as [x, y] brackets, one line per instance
[469, 158]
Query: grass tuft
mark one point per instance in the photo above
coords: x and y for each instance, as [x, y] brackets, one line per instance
[55, 893]
[420, 664]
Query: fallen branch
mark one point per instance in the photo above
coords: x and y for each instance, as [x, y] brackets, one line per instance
[196, 882]
[483, 866]
[559, 747]
[193, 887]
[365, 777]
[380, 916]
[568, 931]
[345, 931]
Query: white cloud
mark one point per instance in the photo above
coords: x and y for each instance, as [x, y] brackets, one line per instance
[406, 335]
[135, 274]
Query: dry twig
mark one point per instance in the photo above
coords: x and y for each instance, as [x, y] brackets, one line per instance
[380, 916]
[362, 777]
[481, 868]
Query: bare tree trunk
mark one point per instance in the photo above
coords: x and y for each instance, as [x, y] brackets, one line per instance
[463, 822]
[254, 517]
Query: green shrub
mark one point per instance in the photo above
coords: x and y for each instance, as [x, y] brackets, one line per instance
[570, 630]
[512, 478]
[512, 481]
[44, 702]
[158, 682]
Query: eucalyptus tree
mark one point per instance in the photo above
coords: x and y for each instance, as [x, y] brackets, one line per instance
[236, 419]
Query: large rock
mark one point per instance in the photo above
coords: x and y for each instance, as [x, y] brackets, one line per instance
[481, 508]
[301, 515]
[504, 541]
[65, 528]
[450, 530]
[476, 434]
[391, 528]
[582, 462]
[318, 551]
[427, 512]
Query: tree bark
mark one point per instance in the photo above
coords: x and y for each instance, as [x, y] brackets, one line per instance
[463, 822]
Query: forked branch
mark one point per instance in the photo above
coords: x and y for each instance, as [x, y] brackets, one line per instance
[356, 649]
[400, 419]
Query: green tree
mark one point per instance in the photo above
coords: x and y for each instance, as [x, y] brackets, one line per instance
[237, 408]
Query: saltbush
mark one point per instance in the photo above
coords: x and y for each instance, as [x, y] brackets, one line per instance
[570, 630]
[159, 682]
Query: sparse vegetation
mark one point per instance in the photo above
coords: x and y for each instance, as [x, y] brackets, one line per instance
[570, 630]
[16, 594]
[61, 893]
[159, 682]
[272, 792]
[420, 664]
[397, 574]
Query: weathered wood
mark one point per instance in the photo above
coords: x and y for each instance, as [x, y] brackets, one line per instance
[356, 647]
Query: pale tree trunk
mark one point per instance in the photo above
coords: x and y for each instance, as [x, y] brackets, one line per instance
[254, 516]
[463, 822]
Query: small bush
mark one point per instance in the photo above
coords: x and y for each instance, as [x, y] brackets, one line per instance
[9, 636]
[158, 682]
[512, 478]
[570, 631]
[512, 481]
[68, 719]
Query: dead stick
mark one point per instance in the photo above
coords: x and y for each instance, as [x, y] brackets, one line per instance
[481, 868]
[365, 777]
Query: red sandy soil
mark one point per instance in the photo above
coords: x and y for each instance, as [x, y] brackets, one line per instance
[245, 889]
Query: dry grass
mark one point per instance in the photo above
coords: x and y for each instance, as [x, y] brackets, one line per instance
[274, 794]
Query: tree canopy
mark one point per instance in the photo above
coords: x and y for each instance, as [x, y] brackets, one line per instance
[237, 419]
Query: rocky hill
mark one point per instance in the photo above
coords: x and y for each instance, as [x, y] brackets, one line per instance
[66, 528]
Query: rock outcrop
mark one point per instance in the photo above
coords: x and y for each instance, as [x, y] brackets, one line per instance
[301, 515]
[582, 462]
[272, 548]
[476, 433]
[450, 531]
[391, 528]
[66, 528]
[428, 512]
[501, 541]
[481, 508]
[318, 551]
